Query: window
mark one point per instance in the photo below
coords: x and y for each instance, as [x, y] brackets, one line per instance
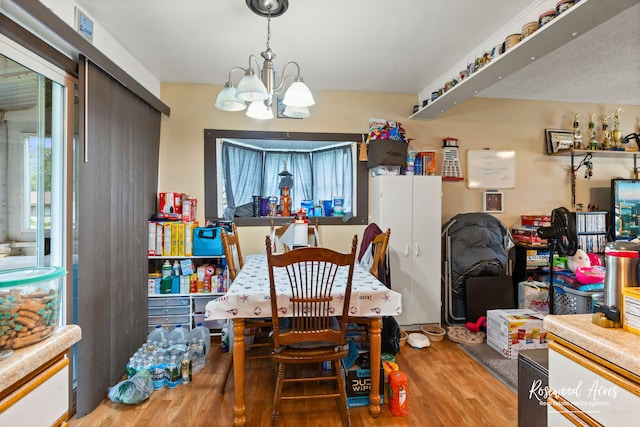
[316, 174]
[33, 147]
[38, 160]
[241, 164]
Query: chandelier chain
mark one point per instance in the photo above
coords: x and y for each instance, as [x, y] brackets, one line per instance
[268, 26]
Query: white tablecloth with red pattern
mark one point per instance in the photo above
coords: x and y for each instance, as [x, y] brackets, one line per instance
[248, 295]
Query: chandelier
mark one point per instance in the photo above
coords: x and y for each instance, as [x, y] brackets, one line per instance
[259, 91]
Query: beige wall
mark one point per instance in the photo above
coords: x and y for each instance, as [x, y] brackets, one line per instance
[542, 181]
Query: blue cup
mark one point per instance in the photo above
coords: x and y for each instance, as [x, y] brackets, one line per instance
[327, 207]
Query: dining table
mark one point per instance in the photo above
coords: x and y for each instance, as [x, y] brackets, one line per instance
[248, 296]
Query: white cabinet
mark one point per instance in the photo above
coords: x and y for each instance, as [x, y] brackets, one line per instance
[585, 391]
[48, 392]
[411, 207]
[35, 381]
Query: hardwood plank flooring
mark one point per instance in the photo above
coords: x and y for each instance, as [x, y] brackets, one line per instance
[446, 388]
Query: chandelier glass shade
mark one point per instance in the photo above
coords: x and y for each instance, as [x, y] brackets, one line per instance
[251, 88]
[260, 91]
[259, 110]
[227, 100]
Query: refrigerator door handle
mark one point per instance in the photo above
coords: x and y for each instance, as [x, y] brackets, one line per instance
[406, 250]
[417, 250]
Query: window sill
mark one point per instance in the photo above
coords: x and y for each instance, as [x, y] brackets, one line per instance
[278, 221]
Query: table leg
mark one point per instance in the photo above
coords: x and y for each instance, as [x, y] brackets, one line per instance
[238, 372]
[375, 344]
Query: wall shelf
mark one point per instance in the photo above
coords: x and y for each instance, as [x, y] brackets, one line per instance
[597, 153]
[577, 20]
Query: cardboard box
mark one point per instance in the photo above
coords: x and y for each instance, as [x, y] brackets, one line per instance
[170, 205]
[527, 235]
[189, 206]
[358, 383]
[631, 310]
[540, 260]
[535, 220]
[509, 331]
[151, 250]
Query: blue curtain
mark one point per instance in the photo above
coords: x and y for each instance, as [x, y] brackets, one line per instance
[299, 165]
[242, 170]
[333, 175]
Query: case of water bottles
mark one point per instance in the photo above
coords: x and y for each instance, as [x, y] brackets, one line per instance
[171, 357]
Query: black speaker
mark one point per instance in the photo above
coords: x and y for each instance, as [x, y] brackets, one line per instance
[487, 293]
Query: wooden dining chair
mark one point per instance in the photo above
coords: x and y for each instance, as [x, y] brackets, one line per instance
[310, 332]
[254, 328]
[379, 246]
[314, 235]
[232, 252]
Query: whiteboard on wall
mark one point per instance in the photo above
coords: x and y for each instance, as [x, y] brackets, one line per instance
[491, 169]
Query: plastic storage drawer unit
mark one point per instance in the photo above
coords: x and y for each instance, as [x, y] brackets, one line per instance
[200, 303]
[163, 320]
[160, 311]
[166, 301]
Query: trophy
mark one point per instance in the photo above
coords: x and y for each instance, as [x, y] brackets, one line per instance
[606, 134]
[593, 144]
[577, 135]
[616, 134]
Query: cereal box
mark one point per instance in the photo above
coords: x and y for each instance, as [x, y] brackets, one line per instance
[512, 330]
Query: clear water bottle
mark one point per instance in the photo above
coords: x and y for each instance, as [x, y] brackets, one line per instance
[227, 336]
[201, 354]
[131, 367]
[175, 372]
[179, 335]
[159, 335]
[158, 377]
[197, 356]
[201, 333]
[187, 367]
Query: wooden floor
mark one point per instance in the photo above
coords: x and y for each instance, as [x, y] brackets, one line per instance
[446, 388]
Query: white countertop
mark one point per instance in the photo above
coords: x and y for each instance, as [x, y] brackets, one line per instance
[28, 359]
[615, 345]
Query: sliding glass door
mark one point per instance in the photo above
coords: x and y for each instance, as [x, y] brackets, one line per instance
[37, 163]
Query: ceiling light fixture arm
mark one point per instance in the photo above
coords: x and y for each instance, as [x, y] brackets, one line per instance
[250, 71]
[229, 81]
[284, 77]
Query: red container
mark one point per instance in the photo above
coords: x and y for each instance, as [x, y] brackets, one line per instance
[399, 394]
[170, 205]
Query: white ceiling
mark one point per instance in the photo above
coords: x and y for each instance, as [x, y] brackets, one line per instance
[369, 45]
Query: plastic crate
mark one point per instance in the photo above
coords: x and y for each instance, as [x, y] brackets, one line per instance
[571, 301]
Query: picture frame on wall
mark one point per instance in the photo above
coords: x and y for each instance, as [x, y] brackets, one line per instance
[493, 201]
[280, 108]
[558, 140]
